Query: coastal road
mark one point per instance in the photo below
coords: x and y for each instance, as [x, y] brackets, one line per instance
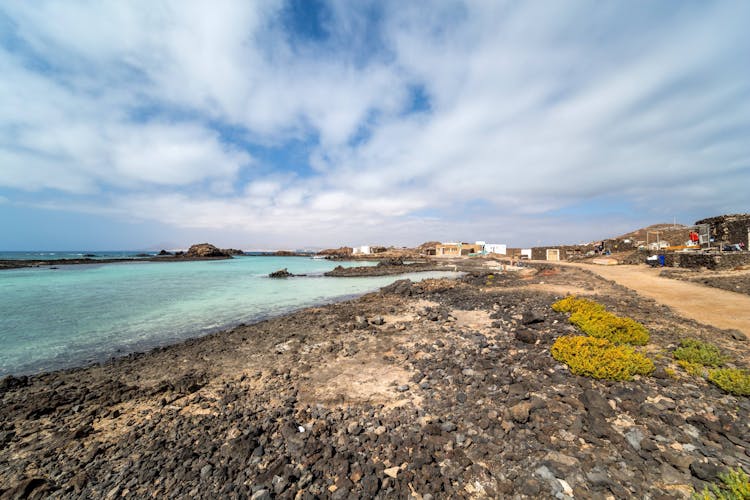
[708, 305]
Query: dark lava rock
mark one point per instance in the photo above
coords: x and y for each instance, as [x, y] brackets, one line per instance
[32, 488]
[164, 252]
[206, 250]
[595, 403]
[705, 471]
[526, 336]
[398, 261]
[400, 287]
[10, 382]
[281, 273]
[531, 317]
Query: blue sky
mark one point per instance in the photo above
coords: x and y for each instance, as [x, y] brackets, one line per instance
[295, 124]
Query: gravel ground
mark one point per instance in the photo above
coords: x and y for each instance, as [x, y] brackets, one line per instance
[441, 389]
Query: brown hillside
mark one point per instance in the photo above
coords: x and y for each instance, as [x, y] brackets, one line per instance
[674, 234]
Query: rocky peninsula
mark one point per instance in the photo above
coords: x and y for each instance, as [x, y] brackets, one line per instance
[439, 389]
[389, 267]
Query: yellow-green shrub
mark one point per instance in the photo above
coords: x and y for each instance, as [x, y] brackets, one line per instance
[695, 351]
[694, 369]
[571, 303]
[735, 485]
[593, 319]
[732, 380]
[600, 358]
[605, 325]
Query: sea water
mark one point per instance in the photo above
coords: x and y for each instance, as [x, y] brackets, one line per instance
[58, 255]
[79, 314]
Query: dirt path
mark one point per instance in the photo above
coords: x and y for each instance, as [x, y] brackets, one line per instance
[712, 306]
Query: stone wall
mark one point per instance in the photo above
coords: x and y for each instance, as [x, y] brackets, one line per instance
[574, 252]
[709, 261]
[729, 228]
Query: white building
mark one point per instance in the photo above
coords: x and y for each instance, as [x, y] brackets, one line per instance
[526, 252]
[497, 248]
[361, 250]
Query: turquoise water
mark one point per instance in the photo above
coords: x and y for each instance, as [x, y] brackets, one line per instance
[79, 314]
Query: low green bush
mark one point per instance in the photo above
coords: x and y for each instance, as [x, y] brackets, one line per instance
[735, 485]
[593, 319]
[600, 358]
[696, 351]
[732, 380]
[694, 369]
[571, 304]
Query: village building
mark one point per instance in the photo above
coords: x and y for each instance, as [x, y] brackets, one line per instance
[456, 249]
[497, 248]
[361, 250]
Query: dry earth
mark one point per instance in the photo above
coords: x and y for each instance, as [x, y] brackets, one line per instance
[735, 280]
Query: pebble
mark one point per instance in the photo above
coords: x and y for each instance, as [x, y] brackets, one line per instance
[392, 472]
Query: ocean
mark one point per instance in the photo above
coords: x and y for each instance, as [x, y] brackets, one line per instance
[57, 255]
[80, 314]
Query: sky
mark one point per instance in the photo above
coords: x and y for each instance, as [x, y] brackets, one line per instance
[310, 123]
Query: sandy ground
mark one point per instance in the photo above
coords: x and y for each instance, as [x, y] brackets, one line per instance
[720, 308]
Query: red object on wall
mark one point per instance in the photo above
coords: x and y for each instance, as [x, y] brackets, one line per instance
[693, 236]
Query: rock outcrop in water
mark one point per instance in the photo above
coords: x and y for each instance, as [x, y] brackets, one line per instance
[206, 250]
[281, 273]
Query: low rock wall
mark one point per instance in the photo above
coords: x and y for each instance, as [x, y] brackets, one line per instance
[709, 261]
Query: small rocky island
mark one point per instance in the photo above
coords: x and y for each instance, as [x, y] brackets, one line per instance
[283, 273]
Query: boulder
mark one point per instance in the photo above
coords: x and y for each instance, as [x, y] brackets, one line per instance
[164, 252]
[205, 250]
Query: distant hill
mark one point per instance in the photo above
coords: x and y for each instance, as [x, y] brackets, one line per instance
[675, 234]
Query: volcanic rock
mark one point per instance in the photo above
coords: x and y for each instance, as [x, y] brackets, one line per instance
[206, 250]
[281, 273]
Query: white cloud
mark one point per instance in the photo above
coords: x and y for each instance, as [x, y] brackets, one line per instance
[531, 109]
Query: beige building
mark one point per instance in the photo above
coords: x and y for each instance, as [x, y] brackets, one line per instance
[457, 249]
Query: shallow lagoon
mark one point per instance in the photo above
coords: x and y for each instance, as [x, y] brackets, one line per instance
[78, 314]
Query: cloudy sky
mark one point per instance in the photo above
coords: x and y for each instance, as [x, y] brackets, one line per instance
[268, 124]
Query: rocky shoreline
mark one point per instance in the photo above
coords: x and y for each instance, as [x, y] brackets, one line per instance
[439, 389]
[389, 267]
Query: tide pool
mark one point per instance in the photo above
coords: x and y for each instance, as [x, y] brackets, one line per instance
[79, 314]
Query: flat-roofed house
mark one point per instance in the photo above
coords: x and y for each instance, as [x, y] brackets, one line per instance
[456, 249]
[497, 248]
